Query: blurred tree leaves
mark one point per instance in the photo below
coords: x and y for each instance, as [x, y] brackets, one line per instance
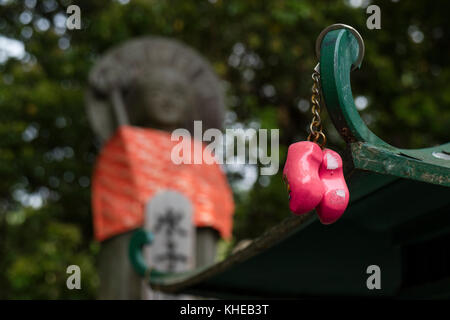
[264, 52]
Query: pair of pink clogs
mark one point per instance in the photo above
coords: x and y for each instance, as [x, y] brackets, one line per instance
[315, 180]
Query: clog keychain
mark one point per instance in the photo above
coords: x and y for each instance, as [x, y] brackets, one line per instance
[314, 174]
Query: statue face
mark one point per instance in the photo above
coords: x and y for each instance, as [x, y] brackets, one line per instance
[161, 100]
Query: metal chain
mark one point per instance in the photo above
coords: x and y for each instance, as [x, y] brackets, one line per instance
[316, 134]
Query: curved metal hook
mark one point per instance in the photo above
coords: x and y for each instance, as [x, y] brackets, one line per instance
[357, 35]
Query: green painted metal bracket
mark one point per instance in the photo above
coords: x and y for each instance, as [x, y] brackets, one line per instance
[339, 49]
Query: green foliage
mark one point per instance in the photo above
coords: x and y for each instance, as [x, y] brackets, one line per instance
[37, 265]
[264, 50]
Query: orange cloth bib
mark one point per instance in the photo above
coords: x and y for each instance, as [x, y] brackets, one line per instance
[135, 164]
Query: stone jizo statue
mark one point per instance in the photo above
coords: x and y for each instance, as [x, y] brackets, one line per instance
[152, 83]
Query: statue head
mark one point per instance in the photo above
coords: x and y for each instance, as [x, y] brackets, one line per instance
[154, 83]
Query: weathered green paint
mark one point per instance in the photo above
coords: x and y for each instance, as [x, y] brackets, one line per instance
[366, 156]
[368, 152]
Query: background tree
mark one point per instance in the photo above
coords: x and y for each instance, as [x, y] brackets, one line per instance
[264, 52]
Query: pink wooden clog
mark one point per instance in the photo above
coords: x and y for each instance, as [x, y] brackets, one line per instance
[301, 173]
[336, 195]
